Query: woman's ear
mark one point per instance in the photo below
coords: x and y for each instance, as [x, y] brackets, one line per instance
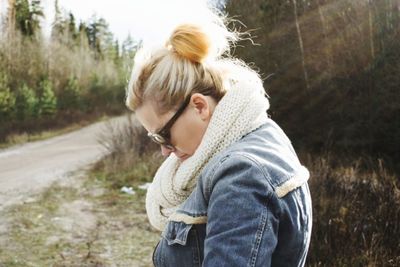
[201, 105]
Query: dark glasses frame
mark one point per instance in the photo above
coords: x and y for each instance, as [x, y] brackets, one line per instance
[162, 137]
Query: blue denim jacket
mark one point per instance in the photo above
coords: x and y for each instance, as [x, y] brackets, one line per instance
[251, 207]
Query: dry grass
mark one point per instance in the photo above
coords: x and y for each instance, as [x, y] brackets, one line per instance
[356, 212]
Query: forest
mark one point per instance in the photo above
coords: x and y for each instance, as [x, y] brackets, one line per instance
[331, 69]
[78, 72]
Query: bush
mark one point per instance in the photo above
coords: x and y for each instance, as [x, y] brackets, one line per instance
[7, 99]
[26, 103]
[70, 97]
[48, 101]
[132, 156]
[125, 136]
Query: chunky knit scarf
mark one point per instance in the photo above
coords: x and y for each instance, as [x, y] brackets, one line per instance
[241, 110]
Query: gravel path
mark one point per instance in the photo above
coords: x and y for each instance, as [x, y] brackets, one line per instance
[29, 168]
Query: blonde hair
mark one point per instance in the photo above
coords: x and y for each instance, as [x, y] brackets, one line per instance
[195, 59]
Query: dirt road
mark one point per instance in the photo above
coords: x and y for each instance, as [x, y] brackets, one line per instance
[26, 169]
[54, 214]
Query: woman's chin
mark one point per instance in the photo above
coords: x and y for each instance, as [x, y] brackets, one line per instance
[182, 157]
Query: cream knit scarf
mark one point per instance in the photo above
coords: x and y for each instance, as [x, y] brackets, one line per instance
[240, 111]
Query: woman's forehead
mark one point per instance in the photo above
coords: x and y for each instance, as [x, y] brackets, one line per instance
[149, 118]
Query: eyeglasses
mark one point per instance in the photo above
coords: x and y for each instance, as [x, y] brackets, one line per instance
[162, 137]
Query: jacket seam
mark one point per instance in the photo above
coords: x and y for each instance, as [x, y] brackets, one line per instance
[212, 174]
[192, 214]
[197, 245]
[258, 237]
[239, 155]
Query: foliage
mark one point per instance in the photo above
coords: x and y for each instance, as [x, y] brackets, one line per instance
[7, 98]
[70, 97]
[85, 67]
[26, 103]
[47, 101]
[28, 16]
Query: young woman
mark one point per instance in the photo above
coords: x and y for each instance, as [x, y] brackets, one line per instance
[231, 191]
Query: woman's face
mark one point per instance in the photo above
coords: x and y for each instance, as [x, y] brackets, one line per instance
[187, 131]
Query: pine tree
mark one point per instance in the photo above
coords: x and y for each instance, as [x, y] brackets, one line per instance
[26, 102]
[129, 47]
[72, 33]
[99, 36]
[48, 101]
[70, 98]
[27, 16]
[57, 30]
[7, 99]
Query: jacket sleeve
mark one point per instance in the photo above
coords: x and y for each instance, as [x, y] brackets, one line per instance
[241, 226]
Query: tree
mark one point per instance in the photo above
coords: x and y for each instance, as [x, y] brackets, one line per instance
[26, 102]
[7, 98]
[72, 32]
[48, 101]
[10, 18]
[27, 16]
[129, 47]
[99, 36]
[57, 30]
[70, 97]
[82, 37]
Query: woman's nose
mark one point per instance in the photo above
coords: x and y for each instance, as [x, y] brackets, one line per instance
[165, 151]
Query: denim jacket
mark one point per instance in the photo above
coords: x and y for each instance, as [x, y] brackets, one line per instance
[251, 207]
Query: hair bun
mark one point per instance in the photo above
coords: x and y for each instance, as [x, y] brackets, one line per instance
[191, 42]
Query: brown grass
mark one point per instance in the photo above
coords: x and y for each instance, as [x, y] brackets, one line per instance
[356, 212]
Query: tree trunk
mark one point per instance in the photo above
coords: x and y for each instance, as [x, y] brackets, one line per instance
[370, 77]
[300, 44]
[10, 19]
[328, 50]
[371, 30]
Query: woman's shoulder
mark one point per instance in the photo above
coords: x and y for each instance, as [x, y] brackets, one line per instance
[266, 153]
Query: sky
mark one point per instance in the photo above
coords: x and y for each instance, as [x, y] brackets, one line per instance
[147, 20]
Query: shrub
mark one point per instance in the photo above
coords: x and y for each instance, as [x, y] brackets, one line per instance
[125, 136]
[48, 101]
[7, 99]
[105, 94]
[26, 102]
[70, 97]
[131, 154]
